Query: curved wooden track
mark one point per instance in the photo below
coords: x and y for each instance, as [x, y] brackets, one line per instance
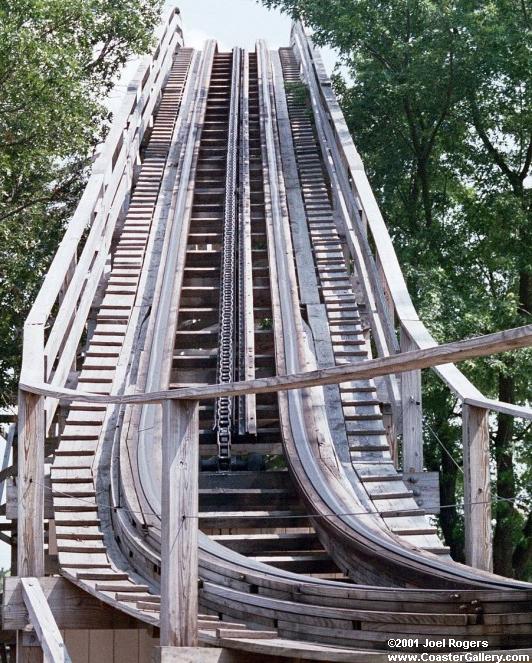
[312, 543]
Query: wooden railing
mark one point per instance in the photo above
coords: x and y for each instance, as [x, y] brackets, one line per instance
[388, 300]
[180, 448]
[56, 323]
[64, 300]
[479, 346]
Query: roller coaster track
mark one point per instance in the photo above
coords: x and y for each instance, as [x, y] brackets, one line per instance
[231, 260]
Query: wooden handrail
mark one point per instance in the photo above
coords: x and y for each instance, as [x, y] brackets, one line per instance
[137, 95]
[78, 264]
[359, 195]
[478, 346]
[71, 285]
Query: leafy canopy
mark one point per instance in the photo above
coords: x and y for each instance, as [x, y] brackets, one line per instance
[58, 60]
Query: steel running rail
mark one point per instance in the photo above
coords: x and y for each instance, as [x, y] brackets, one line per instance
[224, 404]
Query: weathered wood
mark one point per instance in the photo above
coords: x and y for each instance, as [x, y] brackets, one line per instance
[99, 208]
[179, 523]
[7, 470]
[426, 488]
[194, 655]
[248, 423]
[499, 406]
[449, 352]
[43, 622]
[357, 191]
[160, 240]
[412, 412]
[28, 650]
[30, 511]
[308, 284]
[71, 607]
[477, 492]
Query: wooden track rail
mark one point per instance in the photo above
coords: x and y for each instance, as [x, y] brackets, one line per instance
[389, 302]
[76, 270]
[298, 538]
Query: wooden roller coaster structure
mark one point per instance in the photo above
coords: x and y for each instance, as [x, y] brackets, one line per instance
[208, 449]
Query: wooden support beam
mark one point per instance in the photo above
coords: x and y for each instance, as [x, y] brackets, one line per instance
[196, 655]
[30, 509]
[7, 470]
[28, 650]
[412, 412]
[480, 346]
[71, 607]
[179, 524]
[477, 492]
[53, 647]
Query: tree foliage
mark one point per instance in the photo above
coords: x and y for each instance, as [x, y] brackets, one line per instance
[58, 60]
[438, 99]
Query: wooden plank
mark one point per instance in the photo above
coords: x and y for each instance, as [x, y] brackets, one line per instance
[71, 607]
[30, 508]
[43, 622]
[306, 275]
[28, 650]
[248, 423]
[126, 645]
[426, 487]
[412, 413]
[77, 642]
[317, 320]
[6, 469]
[101, 646]
[407, 361]
[179, 524]
[477, 491]
[499, 406]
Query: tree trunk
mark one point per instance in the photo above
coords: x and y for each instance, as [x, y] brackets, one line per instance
[522, 558]
[426, 197]
[449, 516]
[525, 295]
[504, 535]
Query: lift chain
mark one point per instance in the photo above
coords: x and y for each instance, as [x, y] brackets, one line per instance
[224, 405]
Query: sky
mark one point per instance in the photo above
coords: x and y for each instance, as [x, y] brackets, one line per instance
[231, 23]
[235, 23]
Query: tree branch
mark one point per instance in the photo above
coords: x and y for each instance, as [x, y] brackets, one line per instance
[528, 161]
[492, 150]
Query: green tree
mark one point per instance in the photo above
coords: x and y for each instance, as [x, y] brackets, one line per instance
[438, 102]
[58, 60]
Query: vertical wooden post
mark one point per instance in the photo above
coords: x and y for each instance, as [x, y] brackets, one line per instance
[477, 491]
[30, 509]
[28, 648]
[412, 413]
[30, 484]
[179, 524]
